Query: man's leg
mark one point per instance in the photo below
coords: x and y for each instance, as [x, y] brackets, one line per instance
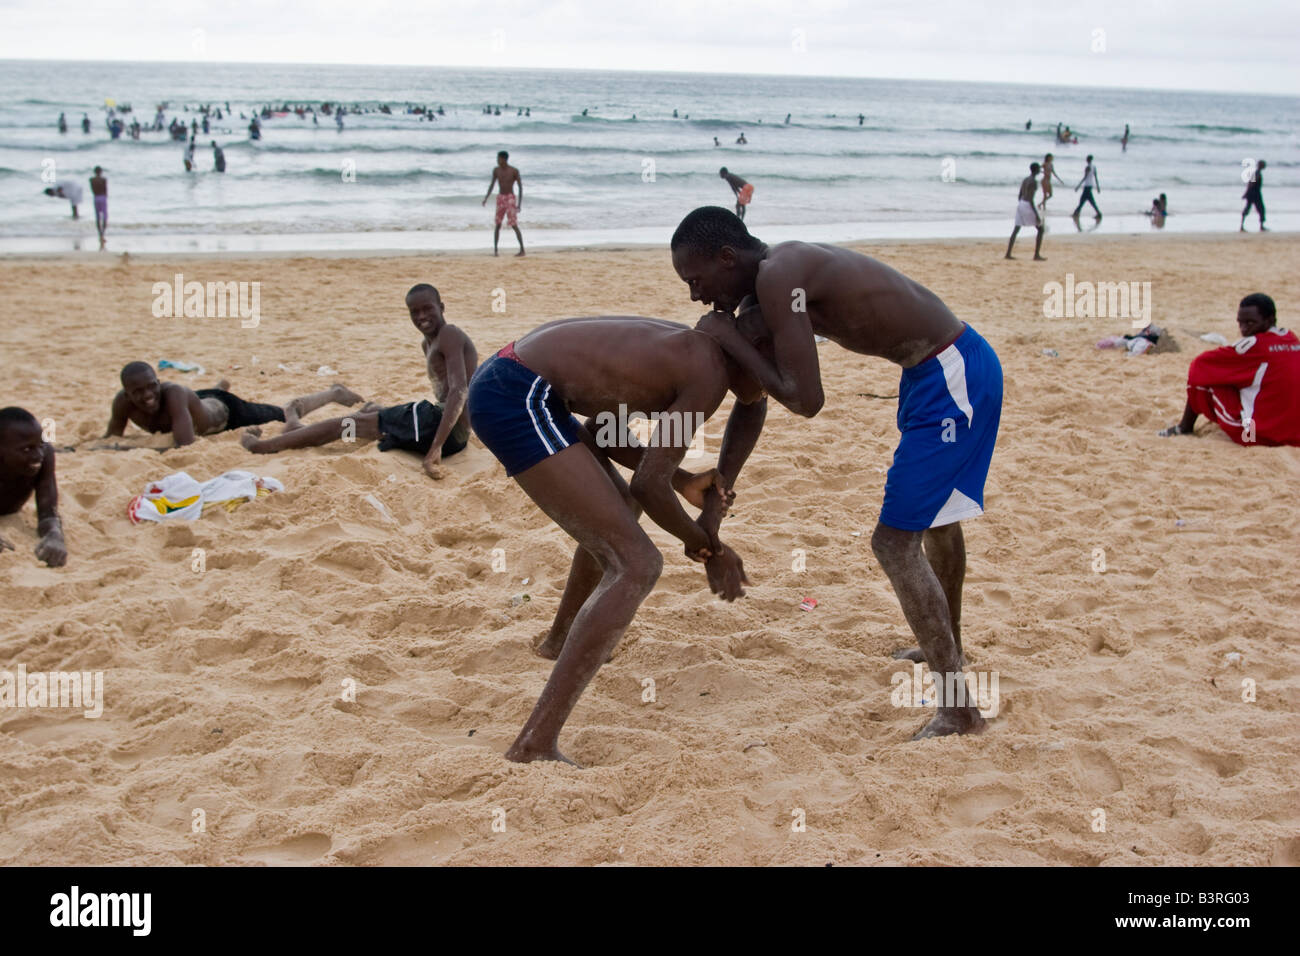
[306, 404]
[1014, 232]
[496, 238]
[945, 550]
[520, 236]
[1185, 426]
[575, 491]
[925, 606]
[365, 425]
[1038, 245]
[1244, 213]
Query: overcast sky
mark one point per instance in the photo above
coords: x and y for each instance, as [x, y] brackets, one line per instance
[1188, 44]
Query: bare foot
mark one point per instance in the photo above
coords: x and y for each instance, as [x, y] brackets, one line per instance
[345, 396]
[1008, 256]
[224, 385]
[1040, 258]
[519, 754]
[252, 439]
[370, 407]
[519, 253]
[551, 646]
[952, 720]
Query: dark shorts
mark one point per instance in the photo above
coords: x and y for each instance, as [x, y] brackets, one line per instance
[517, 415]
[241, 414]
[412, 427]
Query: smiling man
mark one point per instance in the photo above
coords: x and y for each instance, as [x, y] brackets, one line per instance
[27, 465]
[950, 401]
[1250, 389]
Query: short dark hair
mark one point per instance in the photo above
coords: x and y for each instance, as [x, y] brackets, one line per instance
[1089, 157]
[13, 415]
[709, 228]
[1034, 167]
[722, 170]
[134, 368]
[1263, 303]
[503, 155]
[423, 287]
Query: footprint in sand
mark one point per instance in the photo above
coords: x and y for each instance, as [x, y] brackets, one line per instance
[295, 851]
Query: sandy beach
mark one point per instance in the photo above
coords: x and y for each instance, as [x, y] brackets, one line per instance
[223, 686]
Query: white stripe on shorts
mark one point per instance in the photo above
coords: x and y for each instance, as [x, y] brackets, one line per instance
[528, 403]
[954, 374]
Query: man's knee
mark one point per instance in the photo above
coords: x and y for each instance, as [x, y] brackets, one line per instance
[639, 566]
[892, 546]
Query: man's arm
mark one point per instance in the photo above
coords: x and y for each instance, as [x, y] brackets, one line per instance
[451, 345]
[795, 379]
[744, 425]
[50, 548]
[117, 417]
[519, 181]
[178, 407]
[490, 187]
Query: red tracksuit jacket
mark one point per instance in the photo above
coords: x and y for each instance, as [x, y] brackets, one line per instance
[1251, 389]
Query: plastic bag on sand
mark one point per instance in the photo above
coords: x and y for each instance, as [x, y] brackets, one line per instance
[178, 496]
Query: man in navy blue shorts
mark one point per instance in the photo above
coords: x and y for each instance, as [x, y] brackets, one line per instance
[949, 404]
[613, 369]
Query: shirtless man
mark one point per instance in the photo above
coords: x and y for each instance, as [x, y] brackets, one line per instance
[504, 178]
[99, 190]
[950, 402]
[1027, 215]
[743, 190]
[27, 465]
[429, 430]
[521, 404]
[171, 407]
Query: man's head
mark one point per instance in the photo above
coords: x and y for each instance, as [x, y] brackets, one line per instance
[98, 170]
[1048, 158]
[425, 305]
[1089, 159]
[1034, 168]
[723, 172]
[1261, 164]
[22, 447]
[502, 158]
[716, 256]
[1256, 314]
[141, 386]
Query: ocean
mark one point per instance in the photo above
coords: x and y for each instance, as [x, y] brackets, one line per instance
[929, 159]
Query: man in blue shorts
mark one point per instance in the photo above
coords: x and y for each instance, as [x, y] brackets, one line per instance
[522, 402]
[949, 404]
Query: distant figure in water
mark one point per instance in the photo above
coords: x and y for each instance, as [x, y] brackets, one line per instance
[63, 123]
[1028, 123]
[218, 157]
[584, 112]
[1158, 211]
[740, 140]
[715, 141]
[254, 129]
[787, 119]
[674, 114]
[85, 123]
[861, 118]
[1254, 196]
[1124, 141]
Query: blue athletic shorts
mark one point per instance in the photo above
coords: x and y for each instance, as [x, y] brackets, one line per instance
[949, 407]
[516, 414]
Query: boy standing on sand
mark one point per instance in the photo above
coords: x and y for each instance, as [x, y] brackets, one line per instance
[950, 403]
[505, 177]
[1254, 196]
[431, 431]
[1027, 215]
[171, 407]
[99, 189]
[27, 465]
[521, 404]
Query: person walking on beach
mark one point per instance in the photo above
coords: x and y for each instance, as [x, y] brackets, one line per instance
[1124, 141]
[1088, 182]
[504, 178]
[950, 405]
[1048, 173]
[99, 190]
[1254, 196]
[744, 191]
[1026, 214]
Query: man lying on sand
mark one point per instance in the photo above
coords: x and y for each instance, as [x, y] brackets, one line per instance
[27, 465]
[1251, 389]
[521, 402]
[431, 431]
[170, 407]
[950, 402]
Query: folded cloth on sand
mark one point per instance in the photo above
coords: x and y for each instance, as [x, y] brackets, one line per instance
[180, 496]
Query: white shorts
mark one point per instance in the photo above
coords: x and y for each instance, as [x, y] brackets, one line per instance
[1025, 214]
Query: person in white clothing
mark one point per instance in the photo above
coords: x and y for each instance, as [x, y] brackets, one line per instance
[1089, 182]
[70, 190]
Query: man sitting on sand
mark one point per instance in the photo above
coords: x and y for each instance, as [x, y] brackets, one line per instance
[171, 407]
[27, 465]
[521, 404]
[949, 407]
[431, 431]
[1251, 389]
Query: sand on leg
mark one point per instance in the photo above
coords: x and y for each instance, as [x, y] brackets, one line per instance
[576, 492]
[306, 404]
[945, 551]
[925, 606]
[365, 427]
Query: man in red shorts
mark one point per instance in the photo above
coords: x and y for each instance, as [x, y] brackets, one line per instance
[506, 177]
[1251, 389]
